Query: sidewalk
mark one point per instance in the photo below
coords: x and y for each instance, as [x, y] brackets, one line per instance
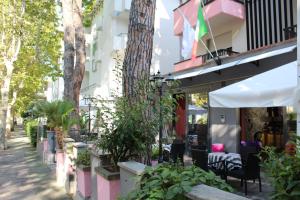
[22, 174]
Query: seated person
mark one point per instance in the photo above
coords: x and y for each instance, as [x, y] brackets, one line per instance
[257, 140]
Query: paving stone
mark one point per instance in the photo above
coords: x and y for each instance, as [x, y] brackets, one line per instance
[22, 174]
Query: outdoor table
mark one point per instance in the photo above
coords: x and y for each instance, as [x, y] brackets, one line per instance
[233, 158]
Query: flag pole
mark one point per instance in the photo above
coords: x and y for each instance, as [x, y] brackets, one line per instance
[210, 31]
[207, 48]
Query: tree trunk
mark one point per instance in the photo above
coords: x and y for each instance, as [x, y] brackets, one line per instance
[138, 53]
[4, 99]
[69, 36]
[138, 56]
[79, 52]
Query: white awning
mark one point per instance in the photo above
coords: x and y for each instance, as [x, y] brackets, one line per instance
[269, 89]
[200, 71]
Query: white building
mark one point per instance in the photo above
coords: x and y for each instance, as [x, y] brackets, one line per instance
[108, 35]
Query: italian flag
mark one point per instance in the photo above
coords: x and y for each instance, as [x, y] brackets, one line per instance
[201, 30]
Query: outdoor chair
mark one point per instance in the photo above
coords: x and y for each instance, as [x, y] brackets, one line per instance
[177, 152]
[250, 171]
[200, 159]
[246, 150]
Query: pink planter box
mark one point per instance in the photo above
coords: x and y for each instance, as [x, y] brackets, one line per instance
[154, 162]
[108, 184]
[84, 181]
[60, 167]
[45, 145]
[217, 147]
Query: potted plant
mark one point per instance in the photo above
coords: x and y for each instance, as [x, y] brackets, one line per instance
[83, 174]
[122, 136]
[155, 154]
[283, 169]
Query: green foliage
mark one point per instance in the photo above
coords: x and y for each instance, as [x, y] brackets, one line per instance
[57, 113]
[122, 130]
[173, 181]
[155, 152]
[31, 131]
[91, 8]
[83, 158]
[284, 170]
[35, 24]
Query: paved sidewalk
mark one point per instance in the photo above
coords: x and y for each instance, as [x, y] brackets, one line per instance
[22, 174]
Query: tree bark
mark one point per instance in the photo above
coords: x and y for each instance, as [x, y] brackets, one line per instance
[79, 52]
[74, 52]
[69, 51]
[138, 53]
[138, 56]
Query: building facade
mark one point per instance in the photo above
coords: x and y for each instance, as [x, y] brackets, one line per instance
[106, 40]
[246, 38]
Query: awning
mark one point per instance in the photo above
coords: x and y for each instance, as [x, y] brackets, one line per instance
[272, 88]
[200, 71]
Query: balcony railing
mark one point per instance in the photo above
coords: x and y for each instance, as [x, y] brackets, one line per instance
[221, 52]
[202, 59]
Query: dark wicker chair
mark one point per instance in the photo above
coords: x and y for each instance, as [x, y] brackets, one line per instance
[250, 171]
[200, 159]
[177, 152]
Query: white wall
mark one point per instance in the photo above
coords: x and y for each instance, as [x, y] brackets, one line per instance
[165, 45]
[165, 48]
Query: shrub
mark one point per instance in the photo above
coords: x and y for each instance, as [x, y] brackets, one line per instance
[173, 182]
[284, 170]
[83, 159]
[31, 131]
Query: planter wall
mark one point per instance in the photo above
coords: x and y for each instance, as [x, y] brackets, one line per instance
[130, 173]
[84, 189]
[68, 165]
[108, 184]
[60, 175]
[98, 159]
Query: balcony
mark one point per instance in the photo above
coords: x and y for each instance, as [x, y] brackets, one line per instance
[202, 59]
[218, 12]
[121, 8]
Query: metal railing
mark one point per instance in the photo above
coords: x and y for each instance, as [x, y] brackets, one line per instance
[221, 53]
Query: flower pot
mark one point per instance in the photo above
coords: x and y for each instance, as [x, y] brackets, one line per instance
[108, 183]
[84, 187]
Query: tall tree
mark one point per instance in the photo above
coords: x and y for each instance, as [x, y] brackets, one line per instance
[11, 34]
[74, 53]
[138, 55]
[29, 48]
